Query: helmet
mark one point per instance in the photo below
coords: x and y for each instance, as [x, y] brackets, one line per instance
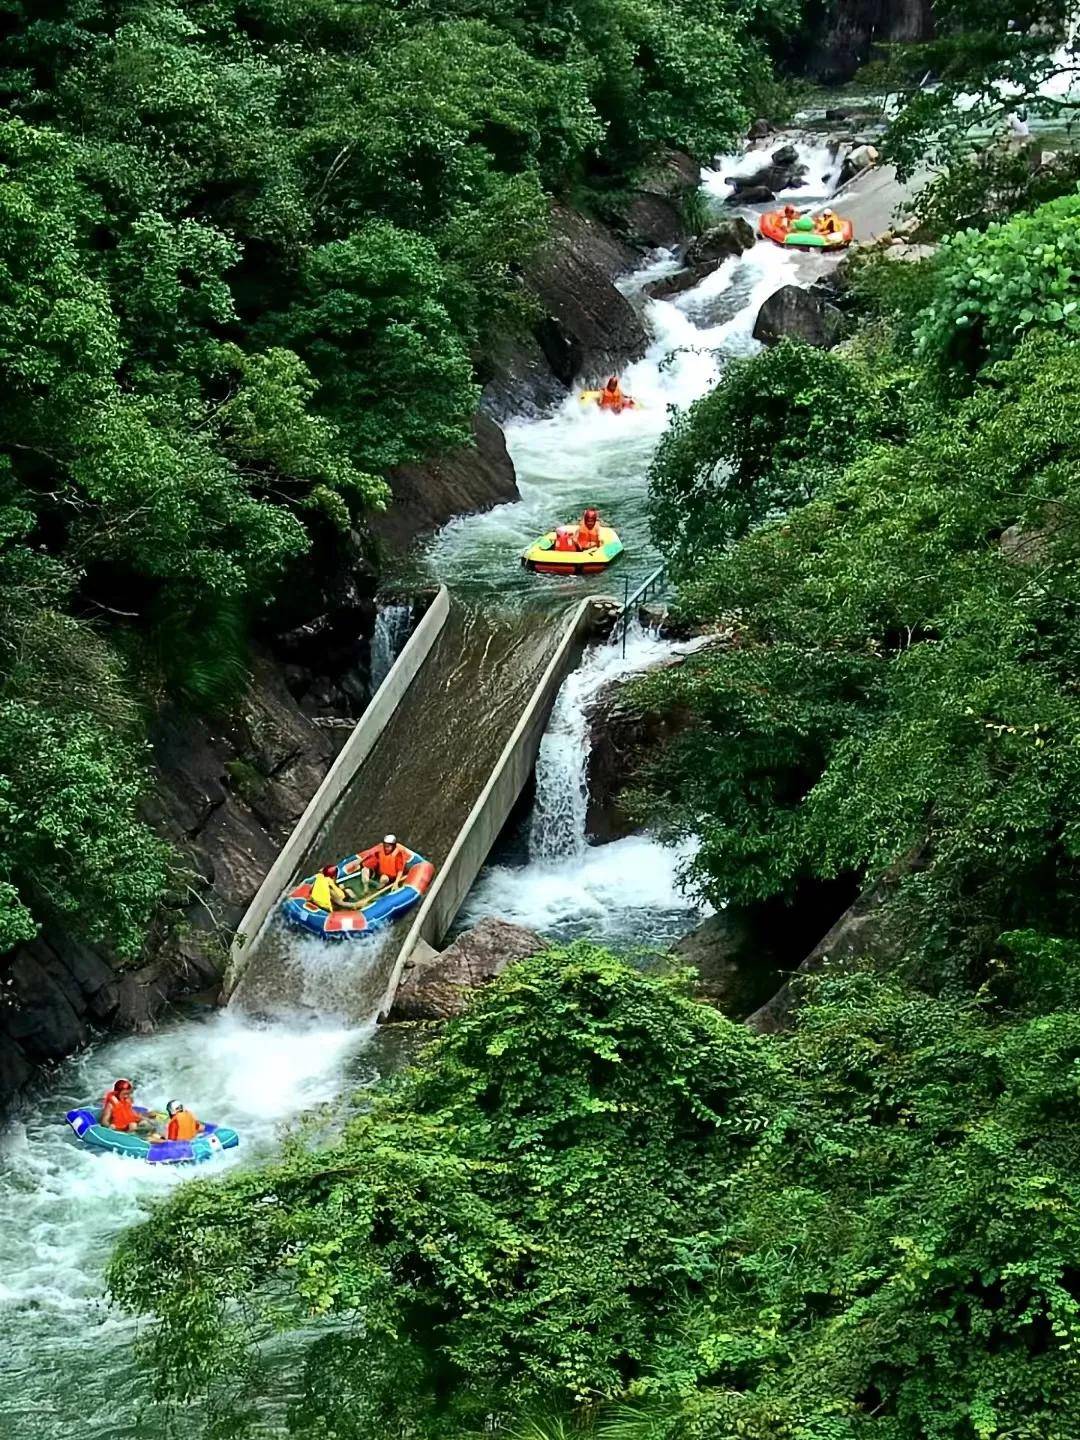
[613, 381]
[826, 214]
[123, 1084]
[591, 516]
[562, 530]
[389, 839]
[330, 871]
[172, 1107]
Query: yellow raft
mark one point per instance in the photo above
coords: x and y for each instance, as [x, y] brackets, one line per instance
[542, 556]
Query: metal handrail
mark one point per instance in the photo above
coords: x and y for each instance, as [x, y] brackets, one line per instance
[649, 586]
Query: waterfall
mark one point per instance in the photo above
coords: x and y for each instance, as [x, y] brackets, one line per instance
[560, 809]
[393, 624]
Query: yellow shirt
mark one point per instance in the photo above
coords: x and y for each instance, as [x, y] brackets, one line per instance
[324, 892]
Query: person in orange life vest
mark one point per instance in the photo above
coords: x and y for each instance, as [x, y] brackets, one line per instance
[564, 539]
[588, 532]
[182, 1123]
[328, 894]
[827, 224]
[385, 863]
[612, 397]
[787, 215]
[118, 1110]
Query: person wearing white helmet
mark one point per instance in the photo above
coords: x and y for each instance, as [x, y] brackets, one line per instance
[564, 538]
[385, 864]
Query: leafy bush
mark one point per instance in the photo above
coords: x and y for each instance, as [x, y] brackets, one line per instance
[758, 444]
[596, 1198]
[993, 287]
[896, 681]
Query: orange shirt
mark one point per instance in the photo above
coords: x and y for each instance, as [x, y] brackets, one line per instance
[182, 1126]
[387, 867]
[611, 399]
[587, 539]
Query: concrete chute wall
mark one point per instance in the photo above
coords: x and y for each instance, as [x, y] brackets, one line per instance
[338, 778]
[497, 799]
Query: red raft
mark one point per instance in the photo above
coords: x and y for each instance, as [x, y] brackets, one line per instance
[801, 235]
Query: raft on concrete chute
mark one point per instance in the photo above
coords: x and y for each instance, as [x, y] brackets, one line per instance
[384, 905]
[542, 556]
[800, 234]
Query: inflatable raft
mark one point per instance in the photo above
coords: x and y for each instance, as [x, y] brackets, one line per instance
[801, 235]
[384, 907]
[592, 397]
[542, 556]
[213, 1140]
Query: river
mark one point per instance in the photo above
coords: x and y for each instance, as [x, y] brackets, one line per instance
[67, 1357]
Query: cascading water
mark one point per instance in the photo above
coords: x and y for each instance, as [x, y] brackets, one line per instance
[627, 892]
[393, 622]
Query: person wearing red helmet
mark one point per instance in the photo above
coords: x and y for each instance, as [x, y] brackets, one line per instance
[118, 1110]
[588, 532]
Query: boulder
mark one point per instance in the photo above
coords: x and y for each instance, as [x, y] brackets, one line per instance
[735, 966]
[871, 930]
[785, 156]
[477, 477]
[760, 129]
[835, 113]
[863, 157]
[792, 313]
[720, 242]
[439, 986]
[755, 195]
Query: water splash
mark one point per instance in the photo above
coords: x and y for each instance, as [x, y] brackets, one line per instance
[393, 624]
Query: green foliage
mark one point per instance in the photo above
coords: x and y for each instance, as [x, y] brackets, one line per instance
[992, 288]
[247, 255]
[897, 681]
[989, 58]
[511, 1222]
[761, 442]
[596, 1207]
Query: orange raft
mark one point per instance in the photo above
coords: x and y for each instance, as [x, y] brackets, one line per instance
[801, 235]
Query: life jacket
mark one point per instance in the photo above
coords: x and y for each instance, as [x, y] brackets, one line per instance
[387, 867]
[183, 1125]
[565, 542]
[588, 539]
[124, 1114]
[612, 399]
[321, 894]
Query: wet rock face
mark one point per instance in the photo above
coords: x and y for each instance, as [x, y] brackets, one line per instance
[477, 477]
[796, 314]
[440, 987]
[588, 325]
[654, 216]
